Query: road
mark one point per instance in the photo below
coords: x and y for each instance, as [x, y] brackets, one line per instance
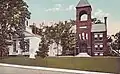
[11, 70]
[17, 69]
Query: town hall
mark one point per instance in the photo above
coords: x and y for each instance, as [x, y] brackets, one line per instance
[91, 36]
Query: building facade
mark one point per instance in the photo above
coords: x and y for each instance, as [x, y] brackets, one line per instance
[91, 37]
[31, 44]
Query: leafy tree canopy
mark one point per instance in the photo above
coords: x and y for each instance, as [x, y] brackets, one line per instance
[14, 14]
[60, 33]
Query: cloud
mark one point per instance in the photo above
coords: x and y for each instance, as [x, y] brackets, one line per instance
[100, 14]
[57, 0]
[60, 7]
[52, 9]
[70, 7]
[57, 7]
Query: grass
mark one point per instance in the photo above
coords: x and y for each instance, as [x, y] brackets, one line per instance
[100, 64]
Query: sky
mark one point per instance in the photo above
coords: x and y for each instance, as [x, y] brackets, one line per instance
[56, 10]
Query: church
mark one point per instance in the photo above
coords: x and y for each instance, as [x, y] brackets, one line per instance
[91, 37]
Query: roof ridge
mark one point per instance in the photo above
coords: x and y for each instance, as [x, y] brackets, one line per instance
[33, 35]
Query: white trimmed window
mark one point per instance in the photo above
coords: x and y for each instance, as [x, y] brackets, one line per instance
[86, 36]
[96, 46]
[83, 35]
[101, 35]
[101, 54]
[80, 36]
[96, 36]
[96, 54]
[101, 46]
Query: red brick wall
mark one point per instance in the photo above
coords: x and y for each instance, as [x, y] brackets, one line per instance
[104, 41]
[84, 23]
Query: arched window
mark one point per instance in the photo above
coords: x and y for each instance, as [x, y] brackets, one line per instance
[86, 36]
[83, 36]
[80, 36]
[84, 17]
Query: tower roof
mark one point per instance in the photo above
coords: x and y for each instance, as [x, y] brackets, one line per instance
[83, 3]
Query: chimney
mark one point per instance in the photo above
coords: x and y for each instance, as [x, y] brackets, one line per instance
[65, 22]
[105, 19]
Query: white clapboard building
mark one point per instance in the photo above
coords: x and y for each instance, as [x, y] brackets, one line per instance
[34, 41]
[33, 44]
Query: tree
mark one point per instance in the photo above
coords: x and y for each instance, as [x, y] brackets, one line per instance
[3, 47]
[94, 20]
[97, 21]
[43, 48]
[109, 39]
[68, 38]
[58, 31]
[116, 43]
[61, 34]
[43, 31]
[14, 14]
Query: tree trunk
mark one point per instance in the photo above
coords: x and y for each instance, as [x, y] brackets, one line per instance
[57, 50]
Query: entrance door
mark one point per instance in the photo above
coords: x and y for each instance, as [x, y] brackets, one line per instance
[83, 46]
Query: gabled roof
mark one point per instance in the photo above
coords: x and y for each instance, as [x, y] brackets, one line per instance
[28, 33]
[98, 28]
[83, 3]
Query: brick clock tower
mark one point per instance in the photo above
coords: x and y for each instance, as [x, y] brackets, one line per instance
[83, 27]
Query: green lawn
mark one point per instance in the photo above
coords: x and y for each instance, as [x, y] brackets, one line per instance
[101, 64]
